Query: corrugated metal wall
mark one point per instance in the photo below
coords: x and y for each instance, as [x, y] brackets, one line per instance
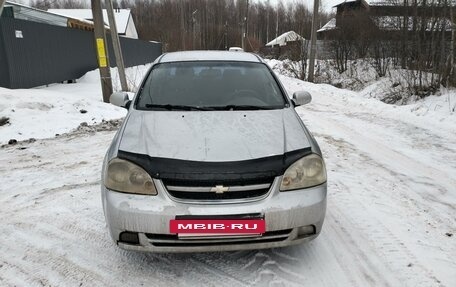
[34, 54]
[4, 74]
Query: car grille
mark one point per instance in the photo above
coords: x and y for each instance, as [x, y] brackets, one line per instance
[215, 191]
[170, 240]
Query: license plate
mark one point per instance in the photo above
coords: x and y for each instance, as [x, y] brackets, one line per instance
[217, 227]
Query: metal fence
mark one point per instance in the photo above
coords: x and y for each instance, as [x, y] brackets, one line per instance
[34, 54]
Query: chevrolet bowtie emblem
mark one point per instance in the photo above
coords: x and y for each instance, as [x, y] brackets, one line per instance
[220, 189]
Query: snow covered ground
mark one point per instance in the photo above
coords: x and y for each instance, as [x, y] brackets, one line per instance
[391, 215]
[45, 111]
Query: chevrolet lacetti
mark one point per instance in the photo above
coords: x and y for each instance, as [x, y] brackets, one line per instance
[212, 156]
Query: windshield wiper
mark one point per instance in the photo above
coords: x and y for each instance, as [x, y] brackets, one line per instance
[242, 107]
[177, 107]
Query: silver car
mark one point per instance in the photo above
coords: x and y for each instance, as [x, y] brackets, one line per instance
[210, 157]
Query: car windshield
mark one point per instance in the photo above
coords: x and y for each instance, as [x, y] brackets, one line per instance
[210, 86]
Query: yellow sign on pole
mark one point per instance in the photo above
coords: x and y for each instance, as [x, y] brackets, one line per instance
[102, 62]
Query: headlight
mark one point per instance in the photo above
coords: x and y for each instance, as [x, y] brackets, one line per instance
[306, 172]
[124, 176]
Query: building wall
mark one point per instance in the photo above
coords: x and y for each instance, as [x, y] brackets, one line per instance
[48, 54]
[4, 74]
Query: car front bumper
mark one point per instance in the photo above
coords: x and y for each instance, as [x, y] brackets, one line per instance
[291, 217]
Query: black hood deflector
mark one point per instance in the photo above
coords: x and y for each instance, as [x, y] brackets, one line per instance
[177, 170]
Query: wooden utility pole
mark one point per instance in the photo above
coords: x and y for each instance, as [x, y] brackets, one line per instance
[226, 35]
[277, 25]
[245, 25]
[313, 42]
[116, 45]
[102, 52]
[243, 33]
[267, 27]
[193, 28]
[2, 2]
[453, 27]
[182, 23]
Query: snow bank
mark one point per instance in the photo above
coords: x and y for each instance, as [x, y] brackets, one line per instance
[363, 80]
[358, 75]
[431, 113]
[46, 111]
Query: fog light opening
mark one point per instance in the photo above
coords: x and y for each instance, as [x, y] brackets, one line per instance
[307, 230]
[129, 237]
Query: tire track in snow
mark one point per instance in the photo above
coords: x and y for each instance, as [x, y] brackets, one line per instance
[223, 274]
[410, 170]
[387, 244]
[272, 269]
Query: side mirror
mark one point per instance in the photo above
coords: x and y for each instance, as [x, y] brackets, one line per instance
[301, 98]
[120, 99]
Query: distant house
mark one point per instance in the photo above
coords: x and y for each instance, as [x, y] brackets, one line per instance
[328, 30]
[124, 20]
[288, 45]
[387, 17]
[285, 38]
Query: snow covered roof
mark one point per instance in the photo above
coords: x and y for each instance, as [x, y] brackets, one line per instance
[32, 14]
[393, 23]
[345, 1]
[394, 2]
[284, 38]
[28, 13]
[434, 3]
[331, 25]
[121, 15]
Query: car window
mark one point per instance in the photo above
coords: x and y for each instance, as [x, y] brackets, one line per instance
[211, 85]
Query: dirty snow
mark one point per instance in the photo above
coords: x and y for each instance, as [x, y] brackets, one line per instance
[391, 215]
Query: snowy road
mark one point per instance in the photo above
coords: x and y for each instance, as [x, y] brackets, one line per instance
[390, 217]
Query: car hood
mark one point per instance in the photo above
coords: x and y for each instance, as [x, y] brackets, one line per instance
[213, 136]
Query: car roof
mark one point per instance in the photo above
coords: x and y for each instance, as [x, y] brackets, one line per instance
[186, 56]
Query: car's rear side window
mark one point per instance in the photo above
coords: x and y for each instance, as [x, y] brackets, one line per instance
[211, 84]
